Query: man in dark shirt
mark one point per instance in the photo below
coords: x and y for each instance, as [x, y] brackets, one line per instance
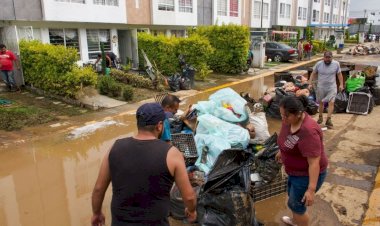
[142, 170]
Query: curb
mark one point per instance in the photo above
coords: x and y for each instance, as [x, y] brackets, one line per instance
[372, 215]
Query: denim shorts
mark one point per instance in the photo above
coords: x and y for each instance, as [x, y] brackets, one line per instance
[297, 186]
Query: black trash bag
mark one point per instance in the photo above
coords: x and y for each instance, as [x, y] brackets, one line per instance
[265, 163]
[224, 199]
[176, 125]
[376, 95]
[177, 207]
[185, 83]
[174, 82]
[341, 102]
[233, 207]
[311, 108]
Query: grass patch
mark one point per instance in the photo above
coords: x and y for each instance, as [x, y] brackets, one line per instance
[16, 117]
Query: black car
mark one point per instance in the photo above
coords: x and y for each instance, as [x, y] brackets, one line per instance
[280, 52]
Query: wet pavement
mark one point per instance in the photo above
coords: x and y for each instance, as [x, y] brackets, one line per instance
[47, 173]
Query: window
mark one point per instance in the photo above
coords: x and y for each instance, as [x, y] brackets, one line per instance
[222, 8]
[304, 16]
[73, 1]
[94, 38]
[287, 11]
[186, 6]
[317, 1]
[107, 2]
[326, 17]
[166, 5]
[282, 10]
[266, 11]
[328, 2]
[300, 13]
[234, 8]
[65, 37]
[315, 15]
[257, 9]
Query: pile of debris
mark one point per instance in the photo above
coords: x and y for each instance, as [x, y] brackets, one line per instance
[364, 49]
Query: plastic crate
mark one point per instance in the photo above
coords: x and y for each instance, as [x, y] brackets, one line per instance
[358, 103]
[159, 97]
[278, 186]
[186, 144]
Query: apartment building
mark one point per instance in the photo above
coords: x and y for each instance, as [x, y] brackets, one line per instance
[82, 24]
[327, 17]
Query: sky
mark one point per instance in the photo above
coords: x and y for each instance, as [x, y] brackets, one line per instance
[361, 5]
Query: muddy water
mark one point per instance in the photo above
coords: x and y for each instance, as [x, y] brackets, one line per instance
[49, 181]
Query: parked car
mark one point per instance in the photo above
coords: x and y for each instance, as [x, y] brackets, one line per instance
[280, 52]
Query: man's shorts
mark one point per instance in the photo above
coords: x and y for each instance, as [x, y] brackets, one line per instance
[326, 94]
[297, 187]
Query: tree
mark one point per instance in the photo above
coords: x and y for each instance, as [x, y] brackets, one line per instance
[309, 34]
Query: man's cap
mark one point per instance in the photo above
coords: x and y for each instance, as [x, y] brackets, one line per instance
[150, 114]
[328, 54]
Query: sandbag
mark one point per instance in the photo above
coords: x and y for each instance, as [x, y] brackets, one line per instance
[259, 121]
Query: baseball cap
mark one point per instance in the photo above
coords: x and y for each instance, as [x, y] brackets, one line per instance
[150, 114]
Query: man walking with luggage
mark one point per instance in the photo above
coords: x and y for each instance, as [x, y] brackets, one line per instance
[7, 58]
[142, 170]
[325, 72]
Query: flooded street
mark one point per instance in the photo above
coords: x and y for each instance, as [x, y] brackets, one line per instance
[48, 180]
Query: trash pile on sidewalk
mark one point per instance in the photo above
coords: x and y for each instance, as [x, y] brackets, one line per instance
[362, 91]
[230, 157]
[363, 49]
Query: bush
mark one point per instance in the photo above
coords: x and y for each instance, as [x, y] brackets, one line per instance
[197, 52]
[160, 51]
[128, 93]
[109, 86]
[318, 46]
[231, 43]
[132, 79]
[53, 69]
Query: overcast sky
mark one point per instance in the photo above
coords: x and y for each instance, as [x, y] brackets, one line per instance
[361, 5]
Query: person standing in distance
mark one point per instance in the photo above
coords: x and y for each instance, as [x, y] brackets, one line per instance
[302, 153]
[142, 170]
[7, 58]
[325, 71]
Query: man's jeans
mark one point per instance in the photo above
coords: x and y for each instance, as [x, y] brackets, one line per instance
[8, 78]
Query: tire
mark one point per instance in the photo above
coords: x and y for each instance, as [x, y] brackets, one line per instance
[277, 58]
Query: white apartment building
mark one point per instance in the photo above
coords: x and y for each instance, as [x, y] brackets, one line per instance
[227, 12]
[260, 14]
[327, 16]
[170, 12]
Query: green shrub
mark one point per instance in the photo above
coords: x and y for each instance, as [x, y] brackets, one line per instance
[318, 46]
[160, 51]
[131, 79]
[109, 86]
[197, 52]
[128, 93]
[53, 69]
[231, 43]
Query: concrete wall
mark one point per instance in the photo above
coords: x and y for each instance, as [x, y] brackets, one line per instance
[246, 12]
[205, 12]
[20, 10]
[139, 12]
[88, 12]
